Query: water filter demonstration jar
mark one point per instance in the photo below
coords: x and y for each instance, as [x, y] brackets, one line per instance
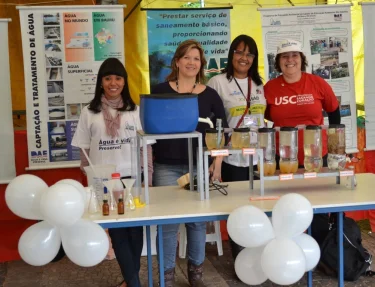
[288, 147]
[266, 141]
[336, 147]
[312, 146]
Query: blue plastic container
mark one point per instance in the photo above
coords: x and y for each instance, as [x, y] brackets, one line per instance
[169, 113]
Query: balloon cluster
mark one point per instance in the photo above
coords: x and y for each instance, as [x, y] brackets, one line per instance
[280, 251]
[61, 207]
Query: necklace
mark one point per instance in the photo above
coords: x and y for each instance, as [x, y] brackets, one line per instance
[195, 84]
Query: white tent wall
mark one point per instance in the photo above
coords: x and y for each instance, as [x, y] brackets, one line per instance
[7, 160]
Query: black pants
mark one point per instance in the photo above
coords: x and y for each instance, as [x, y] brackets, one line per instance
[235, 173]
[127, 244]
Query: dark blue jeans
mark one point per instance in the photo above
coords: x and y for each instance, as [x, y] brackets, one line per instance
[128, 243]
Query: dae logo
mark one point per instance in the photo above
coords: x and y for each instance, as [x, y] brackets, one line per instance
[38, 153]
[275, 23]
[337, 17]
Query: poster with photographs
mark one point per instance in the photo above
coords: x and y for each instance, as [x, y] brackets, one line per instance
[325, 35]
[63, 48]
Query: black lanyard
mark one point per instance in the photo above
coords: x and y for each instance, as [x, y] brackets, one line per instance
[248, 92]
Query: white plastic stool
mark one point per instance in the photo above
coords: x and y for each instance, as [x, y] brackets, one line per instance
[153, 241]
[214, 237]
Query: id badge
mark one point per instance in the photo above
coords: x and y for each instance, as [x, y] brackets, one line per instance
[250, 120]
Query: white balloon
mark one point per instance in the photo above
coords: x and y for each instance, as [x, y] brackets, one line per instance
[39, 244]
[310, 248]
[283, 261]
[23, 195]
[62, 204]
[291, 215]
[247, 266]
[85, 243]
[77, 185]
[249, 226]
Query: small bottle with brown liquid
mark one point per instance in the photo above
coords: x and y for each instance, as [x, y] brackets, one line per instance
[105, 207]
[120, 205]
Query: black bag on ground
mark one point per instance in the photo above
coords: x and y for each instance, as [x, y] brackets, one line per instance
[357, 259]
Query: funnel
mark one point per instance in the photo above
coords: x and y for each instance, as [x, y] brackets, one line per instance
[129, 184]
[129, 201]
[109, 184]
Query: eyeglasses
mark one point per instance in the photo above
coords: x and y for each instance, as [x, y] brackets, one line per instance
[242, 53]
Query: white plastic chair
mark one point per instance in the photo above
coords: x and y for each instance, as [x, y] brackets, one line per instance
[153, 241]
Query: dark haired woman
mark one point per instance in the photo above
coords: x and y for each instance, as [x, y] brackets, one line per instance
[241, 89]
[298, 98]
[104, 130]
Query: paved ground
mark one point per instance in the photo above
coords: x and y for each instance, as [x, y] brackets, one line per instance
[218, 271]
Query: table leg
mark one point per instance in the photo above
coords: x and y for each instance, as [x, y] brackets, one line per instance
[145, 171]
[309, 273]
[149, 256]
[200, 163]
[191, 172]
[340, 235]
[161, 255]
[251, 172]
[261, 171]
[206, 178]
[139, 172]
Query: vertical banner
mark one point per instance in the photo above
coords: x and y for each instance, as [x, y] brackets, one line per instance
[7, 162]
[63, 48]
[325, 34]
[368, 10]
[168, 28]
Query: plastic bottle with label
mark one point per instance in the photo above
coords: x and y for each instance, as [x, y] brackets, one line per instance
[118, 188]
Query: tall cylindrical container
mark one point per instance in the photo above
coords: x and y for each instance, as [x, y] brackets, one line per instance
[312, 146]
[137, 188]
[241, 138]
[288, 147]
[266, 141]
[336, 147]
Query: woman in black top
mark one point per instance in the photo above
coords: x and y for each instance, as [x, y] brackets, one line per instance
[171, 156]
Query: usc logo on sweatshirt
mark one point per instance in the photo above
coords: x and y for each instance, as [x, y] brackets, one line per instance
[299, 100]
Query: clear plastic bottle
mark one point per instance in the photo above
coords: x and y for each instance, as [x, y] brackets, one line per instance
[288, 146]
[348, 183]
[266, 141]
[312, 141]
[118, 188]
[336, 147]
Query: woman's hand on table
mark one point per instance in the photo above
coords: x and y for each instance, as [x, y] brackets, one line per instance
[215, 169]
